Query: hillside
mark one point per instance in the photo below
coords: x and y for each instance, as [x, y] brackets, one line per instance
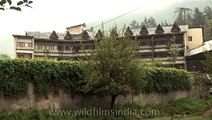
[160, 15]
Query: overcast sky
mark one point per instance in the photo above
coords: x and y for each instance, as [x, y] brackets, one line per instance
[49, 15]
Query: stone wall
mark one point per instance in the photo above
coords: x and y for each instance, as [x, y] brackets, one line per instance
[64, 100]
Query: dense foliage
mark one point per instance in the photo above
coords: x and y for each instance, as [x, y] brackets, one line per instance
[44, 74]
[113, 69]
[14, 6]
[165, 80]
[49, 75]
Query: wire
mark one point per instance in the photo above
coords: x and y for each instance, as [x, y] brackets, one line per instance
[117, 17]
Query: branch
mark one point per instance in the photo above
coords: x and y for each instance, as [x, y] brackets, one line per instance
[17, 6]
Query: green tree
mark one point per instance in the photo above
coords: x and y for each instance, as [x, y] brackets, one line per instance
[4, 56]
[165, 23]
[17, 6]
[208, 12]
[198, 18]
[174, 52]
[183, 16]
[152, 22]
[134, 24]
[91, 30]
[123, 29]
[208, 29]
[208, 63]
[113, 69]
[145, 22]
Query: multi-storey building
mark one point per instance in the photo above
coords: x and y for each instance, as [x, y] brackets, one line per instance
[153, 43]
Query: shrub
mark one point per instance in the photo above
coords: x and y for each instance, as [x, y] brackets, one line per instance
[46, 75]
[163, 80]
[49, 75]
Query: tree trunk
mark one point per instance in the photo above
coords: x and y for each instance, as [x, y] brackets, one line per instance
[113, 99]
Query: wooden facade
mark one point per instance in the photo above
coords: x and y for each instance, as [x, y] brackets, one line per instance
[152, 44]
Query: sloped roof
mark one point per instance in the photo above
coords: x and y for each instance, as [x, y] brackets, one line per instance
[167, 29]
[67, 36]
[206, 46]
[54, 36]
[38, 34]
[144, 30]
[175, 28]
[159, 30]
[114, 33]
[46, 35]
[128, 32]
[99, 34]
[85, 35]
[83, 24]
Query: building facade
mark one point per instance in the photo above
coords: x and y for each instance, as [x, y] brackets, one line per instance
[154, 43]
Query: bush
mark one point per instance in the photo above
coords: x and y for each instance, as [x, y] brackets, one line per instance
[46, 75]
[49, 75]
[163, 80]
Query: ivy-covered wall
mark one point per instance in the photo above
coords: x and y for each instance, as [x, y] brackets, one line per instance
[164, 80]
[49, 75]
[46, 75]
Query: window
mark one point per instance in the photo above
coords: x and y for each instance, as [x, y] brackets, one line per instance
[146, 56]
[76, 49]
[20, 56]
[189, 38]
[145, 43]
[51, 47]
[160, 55]
[160, 43]
[29, 44]
[20, 44]
[67, 48]
[46, 47]
[59, 47]
[39, 47]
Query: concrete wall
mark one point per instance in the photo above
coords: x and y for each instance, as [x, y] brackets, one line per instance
[197, 37]
[27, 51]
[63, 99]
[76, 30]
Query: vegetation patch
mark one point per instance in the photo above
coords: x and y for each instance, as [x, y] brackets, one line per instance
[184, 109]
[46, 75]
[49, 75]
[163, 80]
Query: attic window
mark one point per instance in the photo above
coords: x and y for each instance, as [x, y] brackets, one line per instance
[189, 38]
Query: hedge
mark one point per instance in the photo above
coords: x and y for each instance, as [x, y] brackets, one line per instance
[49, 75]
[46, 75]
[163, 80]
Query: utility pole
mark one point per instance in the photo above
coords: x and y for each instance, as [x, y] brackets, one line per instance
[102, 28]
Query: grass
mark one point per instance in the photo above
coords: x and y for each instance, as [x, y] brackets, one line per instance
[186, 118]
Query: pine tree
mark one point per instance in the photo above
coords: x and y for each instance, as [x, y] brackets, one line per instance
[208, 29]
[183, 16]
[164, 24]
[144, 23]
[208, 12]
[134, 24]
[198, 18]
[152, 22]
